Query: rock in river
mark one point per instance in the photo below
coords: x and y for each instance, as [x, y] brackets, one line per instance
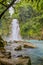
[29, 45]
[18, 48]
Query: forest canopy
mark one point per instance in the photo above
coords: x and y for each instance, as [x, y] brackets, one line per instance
[30, 16]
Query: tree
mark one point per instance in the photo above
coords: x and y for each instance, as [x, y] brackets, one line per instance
[5, 4]
[28, 12]
[30, 15]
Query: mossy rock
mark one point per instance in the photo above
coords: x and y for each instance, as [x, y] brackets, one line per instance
[2, 42]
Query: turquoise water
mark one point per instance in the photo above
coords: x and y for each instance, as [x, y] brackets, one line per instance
[36, 54]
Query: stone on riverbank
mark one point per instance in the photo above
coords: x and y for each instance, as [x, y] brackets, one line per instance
[25, 44]
[1, 55]
[16, 61]
[7, 54]
[29, 45]
[2, 42]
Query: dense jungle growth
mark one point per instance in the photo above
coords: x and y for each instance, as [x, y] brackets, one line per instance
[30, 16]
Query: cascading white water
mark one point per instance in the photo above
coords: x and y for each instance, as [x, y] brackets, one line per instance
[15, 30]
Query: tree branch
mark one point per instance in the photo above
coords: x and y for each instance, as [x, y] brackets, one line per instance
[7, 8]
[3, 4]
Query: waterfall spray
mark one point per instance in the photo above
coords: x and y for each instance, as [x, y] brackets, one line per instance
[15, 30]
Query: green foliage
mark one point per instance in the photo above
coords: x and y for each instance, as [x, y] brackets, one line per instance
[5, 24]
[4, 4]
[5, 21]
[30, 15]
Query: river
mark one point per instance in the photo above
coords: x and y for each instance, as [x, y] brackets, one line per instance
[35, 54]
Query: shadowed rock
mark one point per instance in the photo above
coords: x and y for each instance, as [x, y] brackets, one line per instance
[18, 48]
[1, 55]
[16, 61]
[29, 45]
[5, 55]
[2, 42]
[25, 44]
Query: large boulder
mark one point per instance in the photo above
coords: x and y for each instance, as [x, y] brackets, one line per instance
[5, 61]
[1, 55]
[24, 60]
[16, 61]
[7, 54]
[29, 45]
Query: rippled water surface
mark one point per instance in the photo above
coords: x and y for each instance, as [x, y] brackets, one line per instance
[37, 53]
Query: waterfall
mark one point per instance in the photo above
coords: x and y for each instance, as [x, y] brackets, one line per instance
[15, 30]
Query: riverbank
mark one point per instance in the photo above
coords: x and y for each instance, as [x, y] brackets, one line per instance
[6, 56]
